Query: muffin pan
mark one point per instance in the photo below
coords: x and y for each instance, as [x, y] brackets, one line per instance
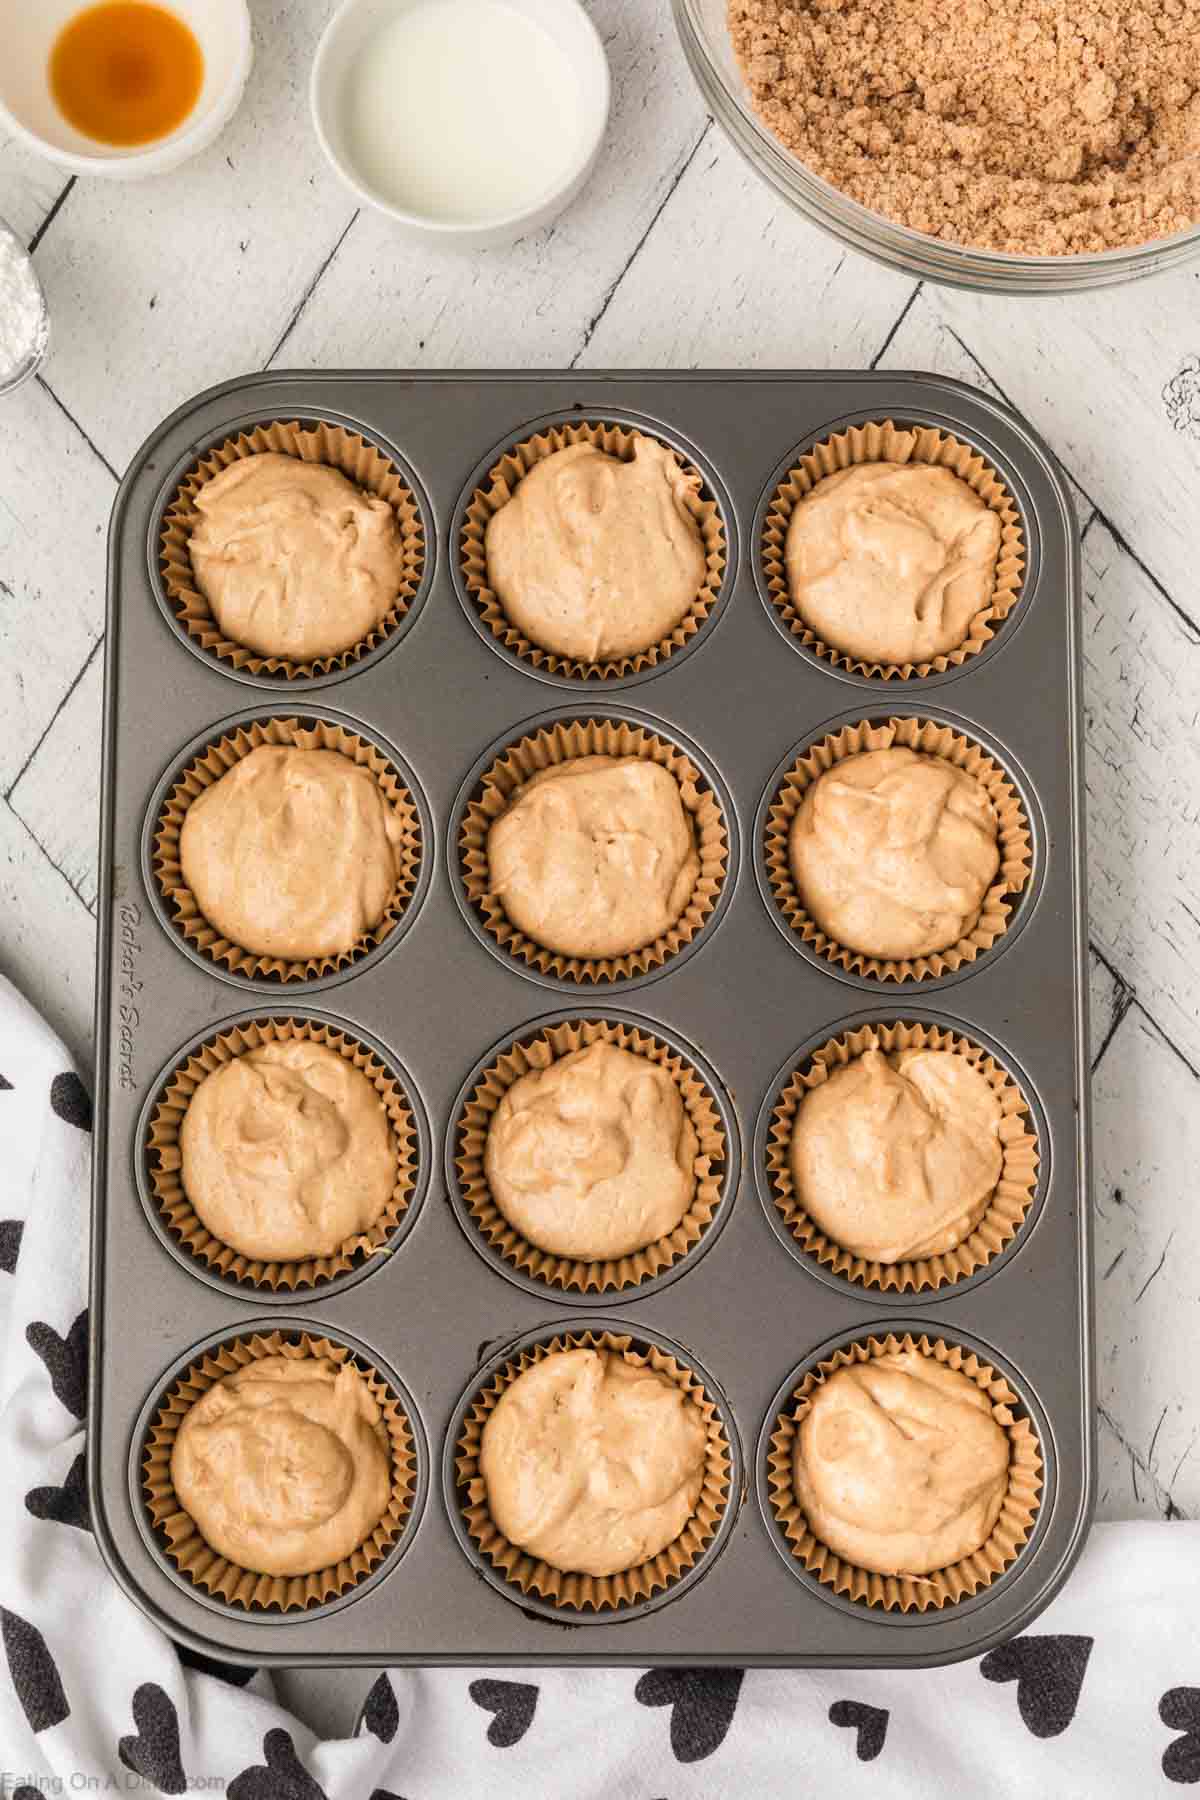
[437, 1309]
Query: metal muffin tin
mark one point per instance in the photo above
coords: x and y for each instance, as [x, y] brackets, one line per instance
[435, 1307]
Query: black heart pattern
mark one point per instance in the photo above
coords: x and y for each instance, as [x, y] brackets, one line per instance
[152, 1751]
[208, 1665]
[1049, 1674]
[1179, 1710]
[65, 1360]
[283, 1778]
[66, 1505]
[870, 1722]
[702, 1702]
[381, 1715]
[34, 1673]
[5, 1085]
[71, 1101]
[513, 1703]
[10, 1243]
[378, 1794]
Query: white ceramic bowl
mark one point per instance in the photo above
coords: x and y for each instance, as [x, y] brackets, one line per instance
[565, 21]
[28, 29]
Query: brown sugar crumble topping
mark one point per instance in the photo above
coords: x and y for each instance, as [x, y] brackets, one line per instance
[1039, 127]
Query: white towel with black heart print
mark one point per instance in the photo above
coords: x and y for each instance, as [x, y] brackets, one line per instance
[1101, 1698]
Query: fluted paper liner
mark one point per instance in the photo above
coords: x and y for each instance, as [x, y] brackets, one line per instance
[501, 484]
[354, 456]
[540, 1051]
[1006, 1209]
[562, 742]
[595, 1593]
[888, 442]
[908, 1593]
[927, 738]
[176, 1532]
[164, 1160]
[208, 767]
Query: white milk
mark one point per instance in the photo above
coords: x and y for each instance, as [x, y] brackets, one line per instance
[462, 110]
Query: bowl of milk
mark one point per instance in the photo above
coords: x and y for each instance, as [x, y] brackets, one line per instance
[467, 122]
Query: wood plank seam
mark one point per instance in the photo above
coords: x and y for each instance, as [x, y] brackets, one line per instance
[44, 852]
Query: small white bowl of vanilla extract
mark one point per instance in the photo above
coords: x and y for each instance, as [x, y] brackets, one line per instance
[468, 123]
[125, 87]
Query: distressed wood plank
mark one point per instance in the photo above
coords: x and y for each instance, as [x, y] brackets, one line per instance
[54, 504]
[1147, 1120]
[58, 795]
[48, 945]
[29, 186]
[530, 305]
[751, 284]
[1125, 1487]
[1142, 704]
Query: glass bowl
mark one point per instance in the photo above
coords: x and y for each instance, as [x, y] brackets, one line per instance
[705, 36]
[15, 375]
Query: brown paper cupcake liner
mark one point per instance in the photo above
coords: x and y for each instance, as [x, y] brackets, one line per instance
[164, 1160]
[208, 767]
[1007, 1208]
[501, 483]
[354, 456]
[594, 1593]
[538, 1052]
[563, 742]
[928, 738]
[176, 1532]
[888, 442]
[908, 1593]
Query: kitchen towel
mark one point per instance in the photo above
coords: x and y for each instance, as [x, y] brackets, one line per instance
[1101, 1697]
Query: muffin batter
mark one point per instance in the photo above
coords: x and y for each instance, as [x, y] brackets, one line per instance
[594, 1156]
[890, 562]
[595, 856]
[284, 1465]
[596, 558]
[593, 1463]
[287, 1151]
[294, 559]
[292, 853]
[899, 1465]
[898, 1156]
[893, 852]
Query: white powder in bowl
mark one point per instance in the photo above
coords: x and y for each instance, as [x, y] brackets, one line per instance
[23, 322]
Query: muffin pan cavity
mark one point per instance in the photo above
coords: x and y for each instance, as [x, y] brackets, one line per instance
[448, 1001]
[554, 738]
[494, 482]
[913, 438]
[893, 1599]
[171, 1535]
[647, 1271]
[1009, 900]
[584, 1599]
[1012, 1210]
[374, 466]
[158, 1160]
[213, 755]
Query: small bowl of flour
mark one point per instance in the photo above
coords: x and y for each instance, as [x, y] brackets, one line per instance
[24, 319]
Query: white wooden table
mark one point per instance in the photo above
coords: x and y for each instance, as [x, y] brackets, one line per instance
[676, 256]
